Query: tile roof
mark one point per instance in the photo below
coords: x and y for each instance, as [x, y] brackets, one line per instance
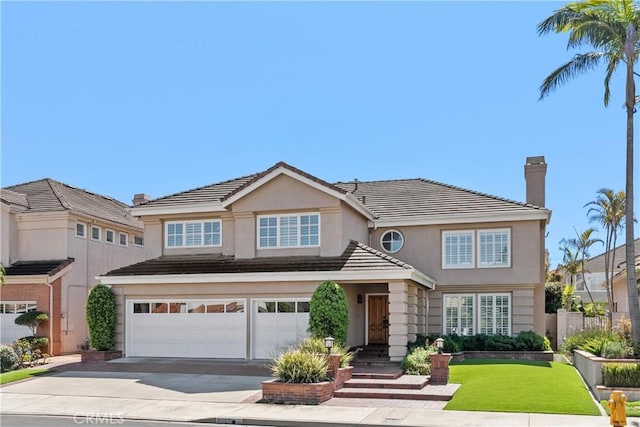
[13, 198]
[388, 200]
[356, 257]
[32, 268]
[596, 263]
[48, 195]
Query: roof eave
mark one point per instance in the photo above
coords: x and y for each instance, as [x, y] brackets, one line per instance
[177, 209]
[535, 215]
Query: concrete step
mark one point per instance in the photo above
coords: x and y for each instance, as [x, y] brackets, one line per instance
[430, 392]
[415, 382]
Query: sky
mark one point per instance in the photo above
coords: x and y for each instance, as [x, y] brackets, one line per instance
[148, 97]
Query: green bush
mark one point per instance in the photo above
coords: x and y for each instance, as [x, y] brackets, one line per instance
[8, 359]
[299, 366]
[578, 339]
[101, 317]
[616, 350]
[553, 297]
[316, 345]
[621, 375]
[30, 350]
[533, 342]
[525, 341]
[328, 312]
[418, 361]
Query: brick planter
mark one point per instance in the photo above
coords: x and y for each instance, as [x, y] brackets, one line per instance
[344, 375]
[100, 356]
[440, 368]
[297, 394]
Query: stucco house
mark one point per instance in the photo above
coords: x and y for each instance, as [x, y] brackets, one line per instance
[55, 239]
[231, 266]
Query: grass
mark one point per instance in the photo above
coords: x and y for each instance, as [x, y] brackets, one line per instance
[519, 386]
[633, 408]
[21, 374]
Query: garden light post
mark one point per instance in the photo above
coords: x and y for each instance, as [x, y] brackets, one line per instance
[328, 343]
[440, 344]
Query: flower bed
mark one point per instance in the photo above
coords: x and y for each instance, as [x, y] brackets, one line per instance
[274, 391]
[590, 367]
[544, 356]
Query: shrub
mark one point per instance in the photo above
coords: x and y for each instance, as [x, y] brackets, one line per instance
[101, 317]
[616, 350]
[553, 297]
[418, 361]
[576, 340]
[30, 350]
[328, 312]
[525, 341]
[8, 359]
[316, 345]
[532, 341]
[621, 375]
[299, 366]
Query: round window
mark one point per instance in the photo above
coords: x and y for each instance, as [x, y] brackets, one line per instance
[392, 241]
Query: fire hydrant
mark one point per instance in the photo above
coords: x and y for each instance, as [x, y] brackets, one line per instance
[617, 403]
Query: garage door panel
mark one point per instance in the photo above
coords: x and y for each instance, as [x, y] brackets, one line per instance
[283, 326]
[189, 334]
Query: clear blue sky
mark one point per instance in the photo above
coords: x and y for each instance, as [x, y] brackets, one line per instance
[159, 97]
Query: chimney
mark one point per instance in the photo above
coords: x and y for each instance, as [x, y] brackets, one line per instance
[534, 174]
[140, 198]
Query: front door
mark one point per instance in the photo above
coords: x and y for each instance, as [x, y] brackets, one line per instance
[378, 315]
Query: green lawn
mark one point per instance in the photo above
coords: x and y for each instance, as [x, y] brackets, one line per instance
[20, 374]
[519, 386]
[633, 408]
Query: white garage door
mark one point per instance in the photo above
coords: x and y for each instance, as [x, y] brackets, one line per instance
[9, 311]
[187, 328]
[278, 325]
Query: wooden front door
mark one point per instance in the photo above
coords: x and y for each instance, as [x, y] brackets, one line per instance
[378, 319]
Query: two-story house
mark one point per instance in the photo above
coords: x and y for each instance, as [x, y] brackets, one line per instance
[232, 266]
[55, 239]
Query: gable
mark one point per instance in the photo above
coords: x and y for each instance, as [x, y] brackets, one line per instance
[284, 193]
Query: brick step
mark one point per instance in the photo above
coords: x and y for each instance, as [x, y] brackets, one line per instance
[377, 375]
[430, 392]
[371, 361]
[415, 382]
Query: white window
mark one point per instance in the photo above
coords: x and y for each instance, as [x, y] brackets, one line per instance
[193, 234]
[495, 314]
[123, 239]
[138, 241]
[492, 316]
[457, 249]
[17, 307]
[392, 241]
[282, 231]
[110, 236]
[81, 230]
[458, 314]
[95, 233]
[494, 248]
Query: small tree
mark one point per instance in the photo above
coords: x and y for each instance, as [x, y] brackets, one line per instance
[31, 320]
[552, 297]
[328, 312]
[101, 317]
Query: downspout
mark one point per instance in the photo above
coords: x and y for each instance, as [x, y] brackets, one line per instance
[50, 318]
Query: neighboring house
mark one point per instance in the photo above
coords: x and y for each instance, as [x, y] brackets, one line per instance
[55, 240]
[595, 278]
[232, 266]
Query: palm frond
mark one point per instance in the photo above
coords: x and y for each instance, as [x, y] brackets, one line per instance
[579, 64]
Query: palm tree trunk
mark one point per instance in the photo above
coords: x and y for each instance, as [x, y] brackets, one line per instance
[632, 286]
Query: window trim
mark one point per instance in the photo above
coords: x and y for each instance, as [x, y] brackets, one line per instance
[184, 234]
[120, 234]
[113, 236]
[446, 266]
[299, 225]
[494, 230]
[392, 230]
[84, 230]
[95, 227]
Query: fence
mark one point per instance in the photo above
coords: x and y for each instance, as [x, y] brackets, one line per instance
[565, 323]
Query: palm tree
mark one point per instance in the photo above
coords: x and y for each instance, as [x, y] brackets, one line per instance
[582, 244]
[611, 28]
[608, 210]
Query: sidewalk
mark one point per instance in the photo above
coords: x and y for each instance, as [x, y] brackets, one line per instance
[218, 396]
